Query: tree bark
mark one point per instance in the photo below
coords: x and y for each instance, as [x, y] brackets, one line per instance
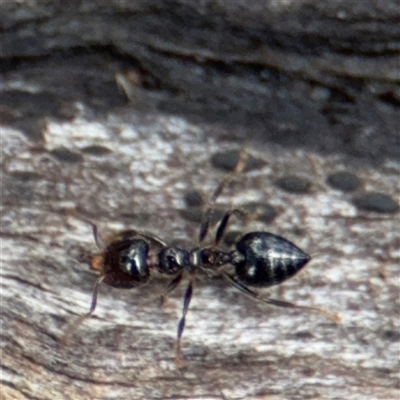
[307, 88]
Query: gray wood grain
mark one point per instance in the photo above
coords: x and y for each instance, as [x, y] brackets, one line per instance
[149, 153]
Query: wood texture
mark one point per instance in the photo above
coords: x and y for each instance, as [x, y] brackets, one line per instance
[72, 141]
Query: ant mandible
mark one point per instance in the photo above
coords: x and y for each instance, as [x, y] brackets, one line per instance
[260, 260]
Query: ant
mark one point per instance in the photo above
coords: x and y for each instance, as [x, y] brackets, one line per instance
[260, 260]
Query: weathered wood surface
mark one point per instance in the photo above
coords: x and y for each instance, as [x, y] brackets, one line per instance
[310, 115]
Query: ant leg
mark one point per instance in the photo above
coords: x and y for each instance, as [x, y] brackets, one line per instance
[75, 324]
[170, 287]
[224, 223]
[278, 303]
[181, 326]
[205, 222]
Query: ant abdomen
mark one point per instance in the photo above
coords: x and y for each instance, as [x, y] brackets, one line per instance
[263, 259]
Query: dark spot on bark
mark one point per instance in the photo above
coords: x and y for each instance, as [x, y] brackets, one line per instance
[26, 176]
[345, 181]
[65, 155]
[391, 335]
[96, 150]
[227, 161]
[193, 199]
[261, 211]
[376, 202]
[308, 371]
[294, 184]
[390, 97]
[383, 372]
[301, 335]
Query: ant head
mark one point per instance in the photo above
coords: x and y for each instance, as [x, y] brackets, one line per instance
[124, 263]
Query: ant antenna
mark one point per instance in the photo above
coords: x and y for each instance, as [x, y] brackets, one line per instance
[75, 324]
[99, 242]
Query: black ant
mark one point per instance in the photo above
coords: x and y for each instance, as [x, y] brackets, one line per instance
[260, 260]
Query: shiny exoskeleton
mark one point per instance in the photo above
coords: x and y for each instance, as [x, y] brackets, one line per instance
[260, 259]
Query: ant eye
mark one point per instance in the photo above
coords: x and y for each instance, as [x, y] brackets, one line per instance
[172, 259]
